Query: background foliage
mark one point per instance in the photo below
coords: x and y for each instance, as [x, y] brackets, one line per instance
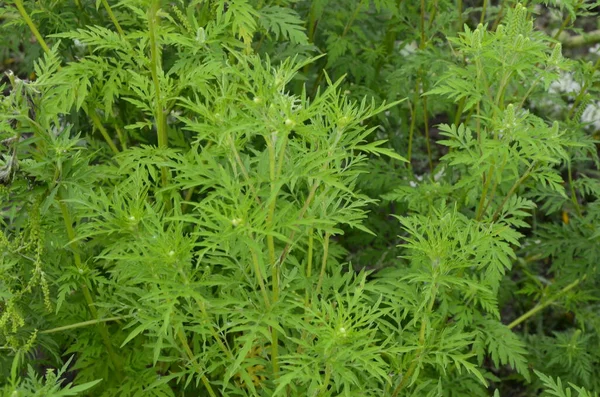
[265, 198]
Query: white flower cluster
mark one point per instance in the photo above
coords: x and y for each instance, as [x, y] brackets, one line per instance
[564, 85]
[591, 115]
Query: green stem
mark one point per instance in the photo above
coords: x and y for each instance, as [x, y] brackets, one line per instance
[413, 121]
[121, 136]
[155, 66]
[240, 164]
[427, 141]
[309, 258]
[499, 16]
[83, 324]
[275, 167]
[459, 110]
[112, 17]
[586, 38]
[422, 46]
[562, 27]
[202, 309]
[459, 7]
[312, 22]
[529, 91]
[512, 191]
[323, 263]
[494, 187]
[499, 100]
[486, 187]
[327, 379]
[572, 188]
[542, 306]
[583, 90]
[86, 291]
[307, 202]
[422, 24]
[433, 14]
[32, 27]
[567, 21]
[100, 127]
[352, 18]
[259, 278]
[419, 352]
[483, 12]
[188, 351]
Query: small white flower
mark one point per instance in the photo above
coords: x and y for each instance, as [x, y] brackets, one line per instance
[413, 184]
[595, 49]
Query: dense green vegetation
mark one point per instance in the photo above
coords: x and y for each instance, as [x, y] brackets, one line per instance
[299, 198]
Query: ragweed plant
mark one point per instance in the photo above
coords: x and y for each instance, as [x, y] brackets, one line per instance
[186, 191]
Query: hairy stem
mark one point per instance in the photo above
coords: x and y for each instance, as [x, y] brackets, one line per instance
[32, 27]
[188, 351]
[98, 124]
[155, 67]
[542, 305]
[83, 324]
[112, 17]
